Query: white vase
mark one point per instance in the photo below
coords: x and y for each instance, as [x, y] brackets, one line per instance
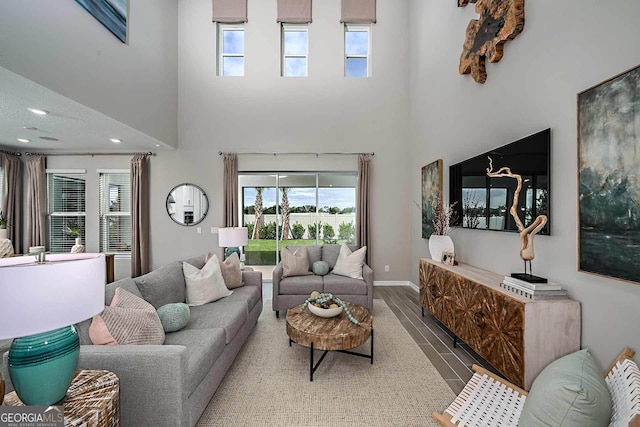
[438, 245]
[3, 233]
[78, 248]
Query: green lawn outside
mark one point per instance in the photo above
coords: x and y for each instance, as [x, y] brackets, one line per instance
[270, 245]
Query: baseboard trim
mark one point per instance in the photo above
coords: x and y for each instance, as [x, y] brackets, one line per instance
[396, 283]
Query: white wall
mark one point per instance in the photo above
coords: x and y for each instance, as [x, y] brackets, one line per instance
[565, 47]
[324, 112]
[62, 47]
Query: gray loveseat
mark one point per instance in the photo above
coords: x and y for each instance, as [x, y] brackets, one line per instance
[171, 384]
[291, 291]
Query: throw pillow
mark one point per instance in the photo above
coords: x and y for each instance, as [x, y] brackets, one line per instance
[206, 285]
[295, 262]
[174, 316]
[350, 263]
[570, 391]
[320, 268]
[128, 320]
[231, 272]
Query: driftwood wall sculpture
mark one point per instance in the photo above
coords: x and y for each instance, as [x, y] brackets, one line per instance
[500, 21]
[463, 3]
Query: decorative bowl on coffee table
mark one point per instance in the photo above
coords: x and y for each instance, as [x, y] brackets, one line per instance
[324, 312]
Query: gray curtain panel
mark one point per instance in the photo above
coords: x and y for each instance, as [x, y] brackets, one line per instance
[230, 11]
[139, 215]
[36, 205]
[12, 198]
[294, 11]
[359, 11]
[363, 232]
[230, 189]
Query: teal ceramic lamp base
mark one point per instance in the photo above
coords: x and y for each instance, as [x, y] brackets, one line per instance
[231, 250]
[41, 366]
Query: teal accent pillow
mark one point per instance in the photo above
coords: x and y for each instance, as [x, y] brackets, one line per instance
[320, 268]
[174, 316]
[569, 392]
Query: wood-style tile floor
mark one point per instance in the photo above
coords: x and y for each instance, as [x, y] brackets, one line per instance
[454, 364]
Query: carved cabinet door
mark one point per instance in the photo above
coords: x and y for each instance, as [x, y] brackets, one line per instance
[501, 320]
[467, 306]
[435, 292]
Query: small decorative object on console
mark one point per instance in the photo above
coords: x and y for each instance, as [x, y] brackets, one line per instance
[448, 258]
[526, 234]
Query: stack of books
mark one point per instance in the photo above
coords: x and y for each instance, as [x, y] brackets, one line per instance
[534, 291]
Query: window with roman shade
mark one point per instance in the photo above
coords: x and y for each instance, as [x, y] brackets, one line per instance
[294, 11]
[115, 211]
[230, 11]
[358, 11]
[65, 208]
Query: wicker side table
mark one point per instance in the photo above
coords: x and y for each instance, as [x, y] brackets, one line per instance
[93, 400]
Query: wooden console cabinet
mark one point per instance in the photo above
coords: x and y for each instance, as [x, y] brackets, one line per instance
[516, 335]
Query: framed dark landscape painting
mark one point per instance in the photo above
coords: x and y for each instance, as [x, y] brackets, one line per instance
[431, 193]
[110, 13]
[609, 177]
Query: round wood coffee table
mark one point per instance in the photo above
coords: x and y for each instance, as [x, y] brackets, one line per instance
[330, 334]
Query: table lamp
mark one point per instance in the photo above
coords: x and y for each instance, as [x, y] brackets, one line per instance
[41, 302]
[233, 238]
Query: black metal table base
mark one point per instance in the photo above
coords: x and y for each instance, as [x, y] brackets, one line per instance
[313, 368]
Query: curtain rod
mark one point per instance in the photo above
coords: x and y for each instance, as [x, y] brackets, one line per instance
[294, 153]
[148, 153]
[13, 153]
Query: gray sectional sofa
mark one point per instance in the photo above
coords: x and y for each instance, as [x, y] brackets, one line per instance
[291, 291]
[171, 384]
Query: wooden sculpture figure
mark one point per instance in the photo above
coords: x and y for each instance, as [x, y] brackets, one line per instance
[526, 233]
[500, 21]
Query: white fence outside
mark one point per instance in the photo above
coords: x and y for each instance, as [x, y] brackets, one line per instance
[308, 218]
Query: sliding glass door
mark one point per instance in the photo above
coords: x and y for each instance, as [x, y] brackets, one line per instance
[282, 209]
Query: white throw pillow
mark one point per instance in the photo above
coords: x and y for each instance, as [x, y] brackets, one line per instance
[350, 263]
[206, 285]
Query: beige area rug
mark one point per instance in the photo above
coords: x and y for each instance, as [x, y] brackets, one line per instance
[268, 384]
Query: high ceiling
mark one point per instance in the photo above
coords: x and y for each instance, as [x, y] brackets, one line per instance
[77, 127]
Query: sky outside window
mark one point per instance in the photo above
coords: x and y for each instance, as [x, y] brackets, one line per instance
[357, 53]
[295, 48]
[232, 52]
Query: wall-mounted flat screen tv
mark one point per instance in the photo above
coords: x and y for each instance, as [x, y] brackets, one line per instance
[484, 202]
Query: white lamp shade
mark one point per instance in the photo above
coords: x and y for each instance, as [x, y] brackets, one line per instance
[231, 237]
[66, 289]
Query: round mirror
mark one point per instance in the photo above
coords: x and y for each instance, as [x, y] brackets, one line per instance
[187, 204]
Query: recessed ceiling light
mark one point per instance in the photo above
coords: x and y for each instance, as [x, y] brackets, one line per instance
[49, 138]
[29, 128]
[115, 140]
[38, 111]
[158, 145]
[24, 140]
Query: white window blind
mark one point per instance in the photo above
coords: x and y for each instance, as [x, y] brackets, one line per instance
[65, 209]
[115, 212]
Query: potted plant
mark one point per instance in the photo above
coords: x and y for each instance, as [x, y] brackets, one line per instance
[73, 229]
[443, 216]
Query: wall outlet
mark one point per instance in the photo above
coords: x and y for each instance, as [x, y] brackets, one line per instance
[214, 230]
[199, 230]
[386, 268]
